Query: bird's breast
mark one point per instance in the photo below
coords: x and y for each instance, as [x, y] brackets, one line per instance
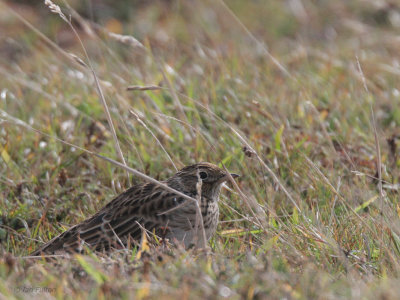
[182, 222]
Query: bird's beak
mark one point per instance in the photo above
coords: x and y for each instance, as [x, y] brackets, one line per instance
[226, 177]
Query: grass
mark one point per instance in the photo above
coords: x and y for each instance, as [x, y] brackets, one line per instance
[285, 95]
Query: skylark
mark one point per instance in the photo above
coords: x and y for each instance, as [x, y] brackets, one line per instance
[150, 208]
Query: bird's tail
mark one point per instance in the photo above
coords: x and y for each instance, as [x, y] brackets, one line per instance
[66, 241]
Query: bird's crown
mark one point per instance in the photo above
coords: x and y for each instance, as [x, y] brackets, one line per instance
[204, 171]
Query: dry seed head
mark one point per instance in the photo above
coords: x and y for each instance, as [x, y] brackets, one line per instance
[55, 9]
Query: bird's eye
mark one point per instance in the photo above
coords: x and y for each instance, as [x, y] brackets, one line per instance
[203, 175]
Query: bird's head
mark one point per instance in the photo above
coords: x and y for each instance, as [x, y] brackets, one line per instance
[205, 175]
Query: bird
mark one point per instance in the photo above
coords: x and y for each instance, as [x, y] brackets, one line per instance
[150, 208]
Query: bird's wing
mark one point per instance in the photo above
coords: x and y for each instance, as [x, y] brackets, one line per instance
[140, 207]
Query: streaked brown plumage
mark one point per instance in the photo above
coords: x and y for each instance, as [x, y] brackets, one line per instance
[149, 206]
